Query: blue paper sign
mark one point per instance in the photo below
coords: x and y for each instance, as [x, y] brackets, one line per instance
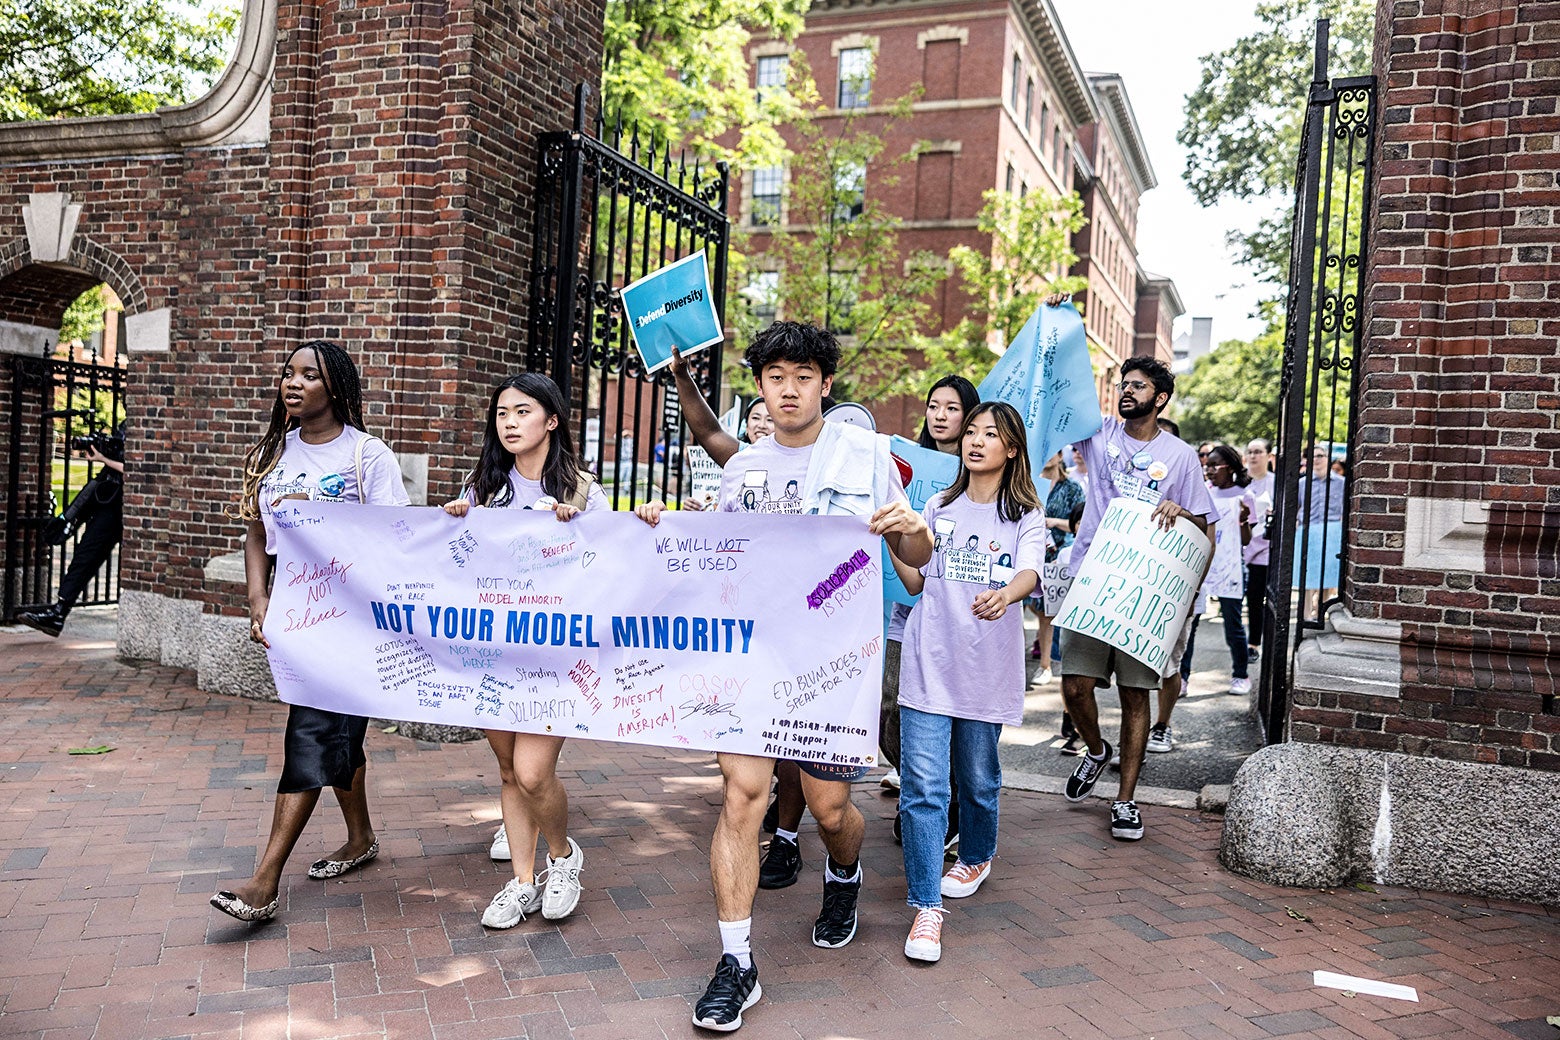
[672, 307]
[1046, 375]
[931, 471]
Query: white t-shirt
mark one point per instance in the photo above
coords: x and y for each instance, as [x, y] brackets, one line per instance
[328, 473]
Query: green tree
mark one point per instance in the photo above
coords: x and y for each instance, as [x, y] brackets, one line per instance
[102, 57]
[838, 252]
[1242, 128]
[678, 69]
[1031, 240]
[1230, 392]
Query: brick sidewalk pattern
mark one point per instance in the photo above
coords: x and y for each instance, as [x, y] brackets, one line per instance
[108, 862]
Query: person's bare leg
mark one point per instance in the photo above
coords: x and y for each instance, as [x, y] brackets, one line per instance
[1043, 640]
[1084, 710]
[734, 847]
[545, 802]
[789, 794]
[288, 818]
[354, 810]
[1169, 693]
[840, 823]
[1134, 738]
[519, 827]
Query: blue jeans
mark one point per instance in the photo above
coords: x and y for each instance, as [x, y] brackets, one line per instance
[926, 742]
[1234, 638]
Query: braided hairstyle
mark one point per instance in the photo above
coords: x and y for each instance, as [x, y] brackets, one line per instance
[489, 480]
[346, 405]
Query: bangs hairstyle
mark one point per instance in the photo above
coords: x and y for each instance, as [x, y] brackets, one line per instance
[489, 480]
[346, 406]
[969, 397]
[794, 342]
[1231, 458]
[1016, 493]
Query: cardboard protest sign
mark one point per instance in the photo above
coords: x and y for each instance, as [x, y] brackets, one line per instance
[672, 307]
[1056, 580]
[1137, 583]
[759, 635]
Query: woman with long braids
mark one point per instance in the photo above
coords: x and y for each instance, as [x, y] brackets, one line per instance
[315, 448]
[528, 462]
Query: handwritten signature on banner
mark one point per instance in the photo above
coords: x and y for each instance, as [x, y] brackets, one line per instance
[491, 621]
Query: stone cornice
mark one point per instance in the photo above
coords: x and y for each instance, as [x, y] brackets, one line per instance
[234, 112]
[1117, 109]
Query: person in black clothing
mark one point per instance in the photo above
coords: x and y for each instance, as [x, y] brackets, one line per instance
[104, 527]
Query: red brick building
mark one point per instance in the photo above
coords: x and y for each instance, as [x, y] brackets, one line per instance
[1003, 104]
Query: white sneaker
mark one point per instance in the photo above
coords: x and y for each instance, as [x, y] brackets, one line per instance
[890, 781]
[1044, 677]
[1161, 739]
[1240, 686]
[498, 852]
[513, 902]
[562, 893]
[925, 940]
[962, 880]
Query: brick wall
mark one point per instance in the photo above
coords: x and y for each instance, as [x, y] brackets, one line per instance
[1460, 399]
[389, 209]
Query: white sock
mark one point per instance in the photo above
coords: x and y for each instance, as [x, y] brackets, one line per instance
[1099, 757]
[789, 836]
[736, 938]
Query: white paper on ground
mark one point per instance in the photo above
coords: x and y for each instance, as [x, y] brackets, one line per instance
[1332, 980]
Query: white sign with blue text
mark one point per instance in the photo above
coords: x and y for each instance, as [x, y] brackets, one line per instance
[672, 307]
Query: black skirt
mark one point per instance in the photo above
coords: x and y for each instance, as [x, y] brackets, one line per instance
[322, 749]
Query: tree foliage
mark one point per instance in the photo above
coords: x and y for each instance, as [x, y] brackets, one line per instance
[1031, 240]
[678, 69]
[101, 57]
[1230, 394]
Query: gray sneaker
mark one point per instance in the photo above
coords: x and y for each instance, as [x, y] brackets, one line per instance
[562, 893]
[513, 902]
[1160, 740]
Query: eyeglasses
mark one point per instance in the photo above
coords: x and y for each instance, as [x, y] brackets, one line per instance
[1133, 384]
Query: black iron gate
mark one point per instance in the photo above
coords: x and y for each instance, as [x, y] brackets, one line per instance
[55, 406]
[1322, 333]
[612, 207]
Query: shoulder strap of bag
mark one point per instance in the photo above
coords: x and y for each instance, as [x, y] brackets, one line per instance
[582, 491]
[357, 463]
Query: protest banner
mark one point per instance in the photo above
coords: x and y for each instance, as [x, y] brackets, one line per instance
[671, 307]
[1227, 574]
[1056, 580]
[703, 479]
[1046, 375]
[1137, 582]
[931, 471]
[758, 635]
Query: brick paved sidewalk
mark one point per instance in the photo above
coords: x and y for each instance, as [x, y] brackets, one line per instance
[108, 862]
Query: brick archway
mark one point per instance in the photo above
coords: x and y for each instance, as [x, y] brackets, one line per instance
[37, 294]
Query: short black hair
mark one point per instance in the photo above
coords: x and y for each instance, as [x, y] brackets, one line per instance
[1170, 426]
[1155, 370]
[795, 342]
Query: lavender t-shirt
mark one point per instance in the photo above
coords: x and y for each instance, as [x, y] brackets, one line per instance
[525, 493]
[954, 663]
[1259, 499]
[328, 472]
[1164, 467]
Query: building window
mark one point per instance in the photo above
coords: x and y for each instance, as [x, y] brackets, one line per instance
[843, 294]
[1008, 181]
[1023, 188]
[767, 182]
[1018, 71]
[763, 295]
[770, 76]
[1029, 101]
[1045, 125]
[1056, 146]
[850, 191]
[855, 77]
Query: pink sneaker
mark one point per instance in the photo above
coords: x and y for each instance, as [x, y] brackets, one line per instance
[962, 880]
[925, 940]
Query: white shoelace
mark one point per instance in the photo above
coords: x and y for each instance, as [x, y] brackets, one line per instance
[928, 925]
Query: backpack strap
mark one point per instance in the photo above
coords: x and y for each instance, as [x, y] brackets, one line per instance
[357, 463]
[582, 491]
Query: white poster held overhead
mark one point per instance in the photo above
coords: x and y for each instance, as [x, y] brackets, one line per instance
[1137, 582]
[759, 635]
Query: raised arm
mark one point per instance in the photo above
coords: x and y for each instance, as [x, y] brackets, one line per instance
[701, 419]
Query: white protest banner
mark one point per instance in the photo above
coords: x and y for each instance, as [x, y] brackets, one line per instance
[759, 635]
[703, 479]
[1137, 582]
[1055, 581]
[1227, 574]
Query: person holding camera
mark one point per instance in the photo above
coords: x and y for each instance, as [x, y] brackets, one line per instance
[101, 499]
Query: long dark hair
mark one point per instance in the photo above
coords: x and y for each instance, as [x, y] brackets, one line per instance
[346, 405]
[1231, 458]
[560, 473]
[969, 397]
[1016, 494]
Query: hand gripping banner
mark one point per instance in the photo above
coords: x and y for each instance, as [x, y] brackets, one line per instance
[758, 635]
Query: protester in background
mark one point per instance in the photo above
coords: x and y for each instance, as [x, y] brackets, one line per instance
[1321, 493]
[1065, 494]
[528, 462]
[954, 703]
[1225, 582]
[314, 448]
[756, 424]
[104, 527]
[1254, 520]
[1080, 466]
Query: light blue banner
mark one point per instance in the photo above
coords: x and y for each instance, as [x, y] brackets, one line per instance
[1046, 375]
[930, 472]
[672, 307]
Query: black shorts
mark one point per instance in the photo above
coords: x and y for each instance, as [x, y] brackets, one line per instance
[322, 749]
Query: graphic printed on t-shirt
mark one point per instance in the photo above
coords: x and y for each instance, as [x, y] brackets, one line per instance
[329, 488]
[756, 496]
[969, 562]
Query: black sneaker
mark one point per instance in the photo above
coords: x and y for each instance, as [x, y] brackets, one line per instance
[836, 924]
[1126, 823]
[50, 622]
[782, 864]
[1073, 746]
[771, 816]
[1089, 769]
[731, 992]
